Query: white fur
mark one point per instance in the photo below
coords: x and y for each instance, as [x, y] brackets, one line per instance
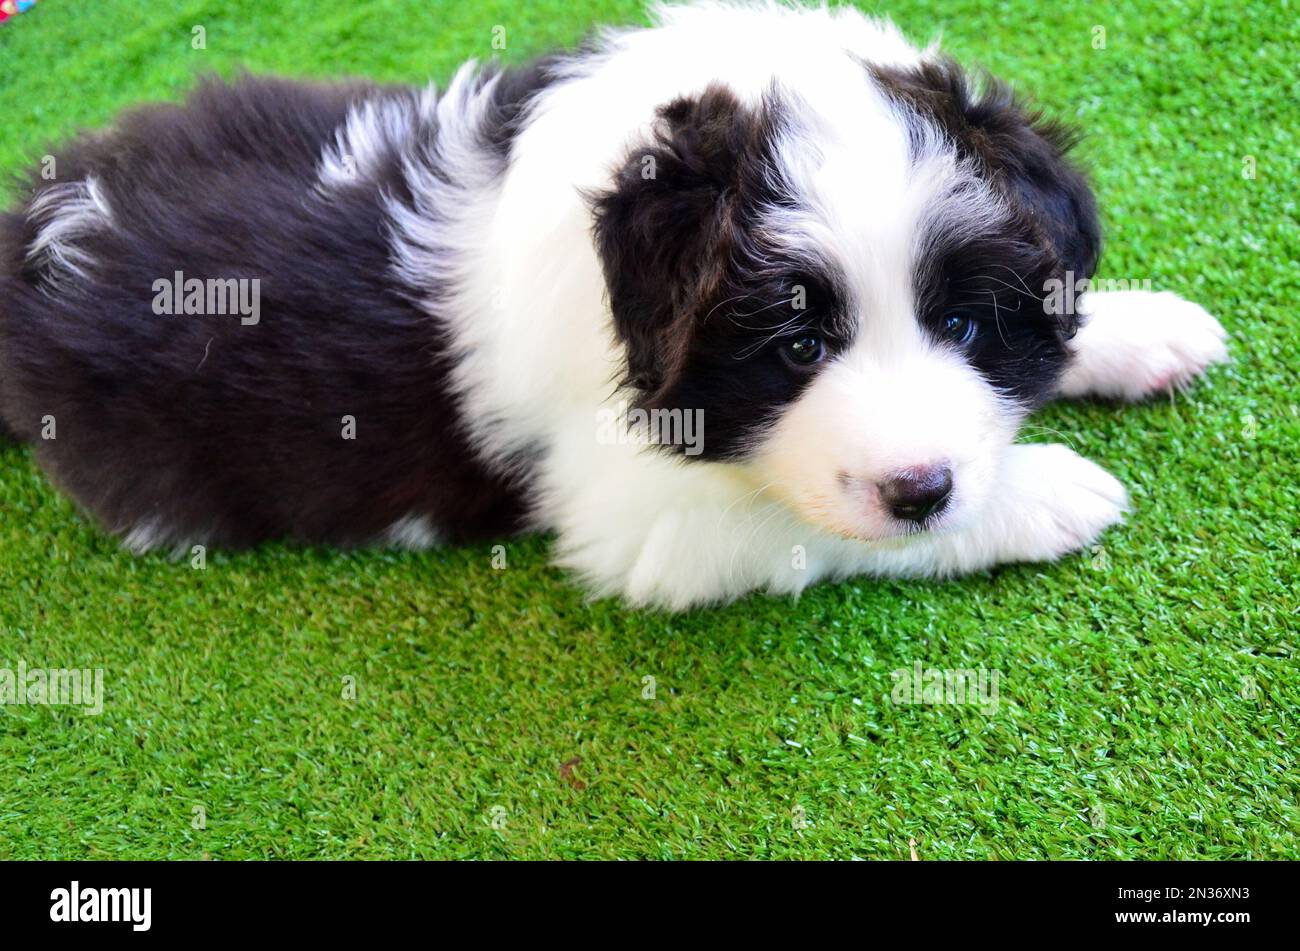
[411, 532]
[153, 535]
[146, 536]
[1134, 344]
[372, 130]
[872, 205]
[63, 213]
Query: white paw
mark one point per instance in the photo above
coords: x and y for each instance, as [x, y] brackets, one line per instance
[1054, 502]
[1134, 344]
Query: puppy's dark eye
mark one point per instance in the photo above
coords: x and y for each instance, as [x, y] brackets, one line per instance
[805, 351]
[960, 327]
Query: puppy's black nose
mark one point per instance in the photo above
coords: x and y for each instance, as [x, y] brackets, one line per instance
[917, 493]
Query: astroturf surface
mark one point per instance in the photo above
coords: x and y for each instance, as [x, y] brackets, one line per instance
[1148, 690]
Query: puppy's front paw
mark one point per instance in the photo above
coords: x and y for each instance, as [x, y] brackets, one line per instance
[1135, 344]
[1057, 502]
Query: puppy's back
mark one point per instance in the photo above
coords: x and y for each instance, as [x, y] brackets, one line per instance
[200, 332]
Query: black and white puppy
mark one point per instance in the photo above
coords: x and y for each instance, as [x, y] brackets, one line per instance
[751, 298]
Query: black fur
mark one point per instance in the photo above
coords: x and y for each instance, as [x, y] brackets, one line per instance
[211, 429]
[1002, 278]
[514, 93]
[701, 302]
[998, 279]
[1024, 152]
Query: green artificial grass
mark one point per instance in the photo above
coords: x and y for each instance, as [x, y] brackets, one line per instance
[1148, 691]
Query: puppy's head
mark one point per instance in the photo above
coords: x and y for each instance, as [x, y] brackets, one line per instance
[846, 279]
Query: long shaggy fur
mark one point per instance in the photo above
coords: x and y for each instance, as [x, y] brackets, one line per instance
[467, 312]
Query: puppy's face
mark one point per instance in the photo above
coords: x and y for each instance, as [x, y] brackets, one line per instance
[848, 285]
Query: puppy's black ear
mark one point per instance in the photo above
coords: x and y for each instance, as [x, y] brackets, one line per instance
[1022, 150]
[1029, 152]
[666, 228]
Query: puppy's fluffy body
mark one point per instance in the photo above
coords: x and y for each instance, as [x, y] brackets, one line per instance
[830, 246]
